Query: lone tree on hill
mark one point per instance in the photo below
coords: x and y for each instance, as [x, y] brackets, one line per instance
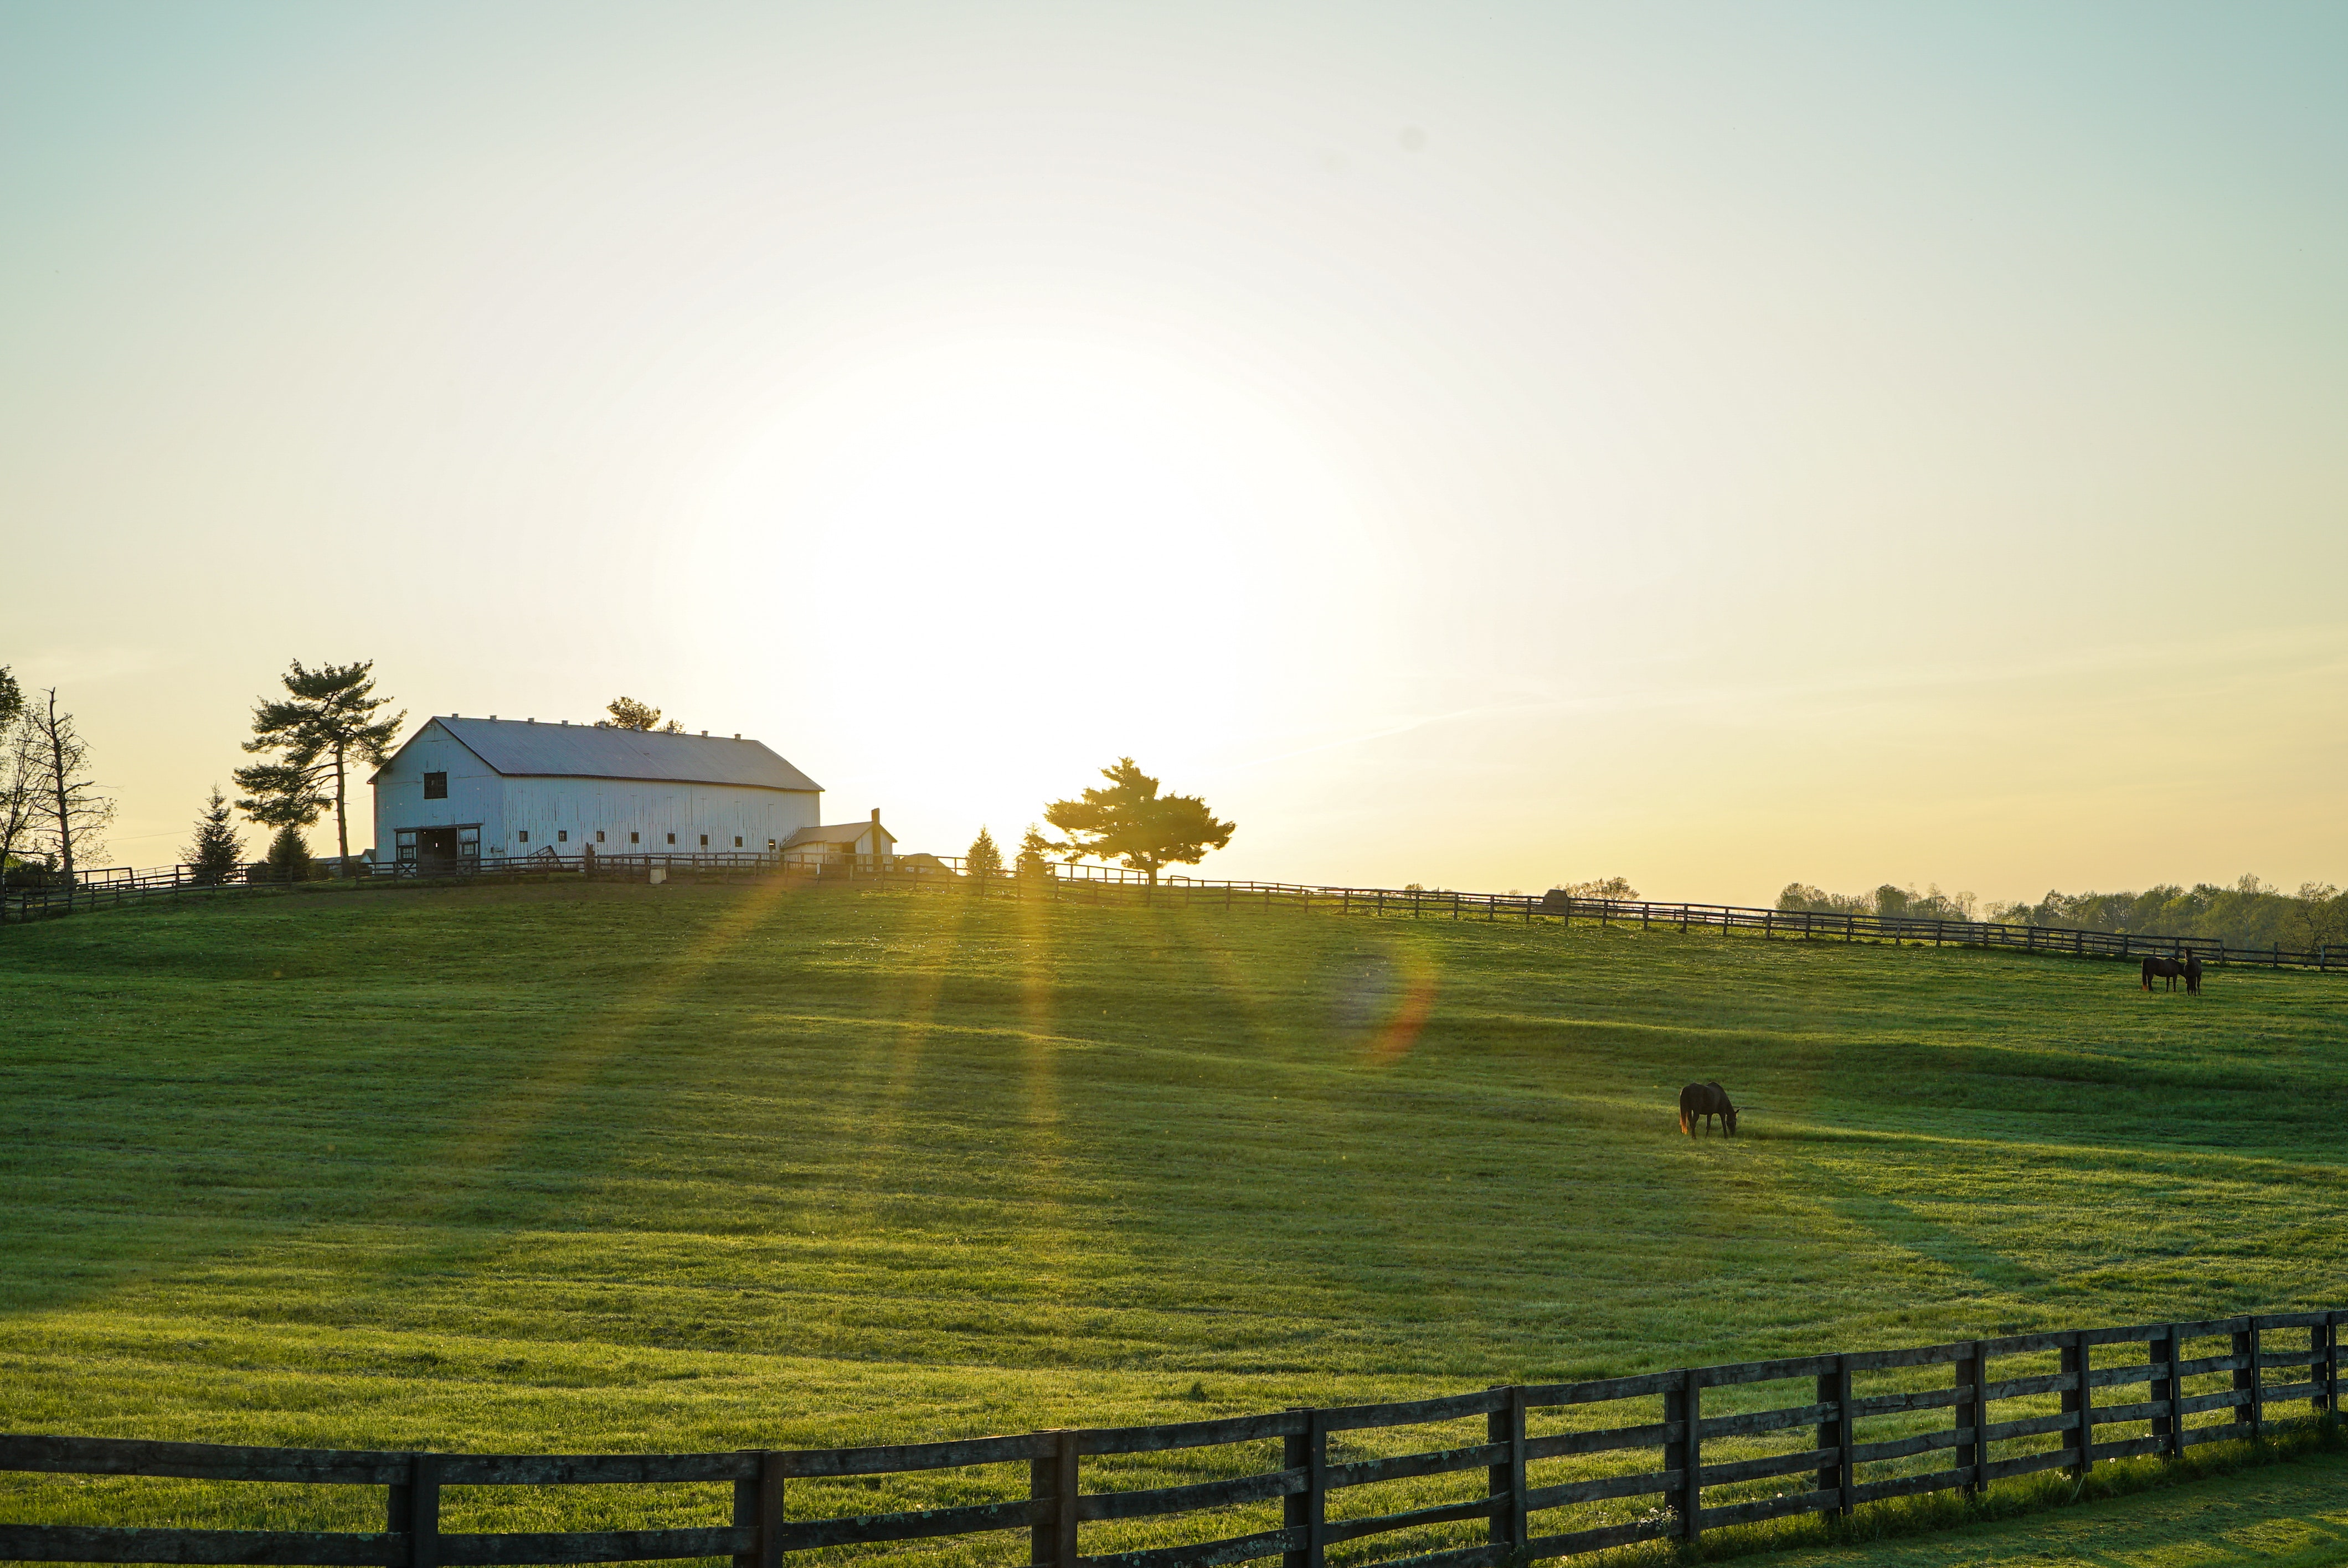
[627, 714]
[983, 858]
[66, 804]
[218, 850]
[1130, 822]
[329, 723]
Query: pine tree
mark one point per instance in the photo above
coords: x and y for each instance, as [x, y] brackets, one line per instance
[329, 724]
[627, 714]
[984, 859]
[217, 849]
[1034, 854]
[289, 857]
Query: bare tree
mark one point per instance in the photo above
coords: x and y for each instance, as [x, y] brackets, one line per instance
[20, 783]
[71, 812]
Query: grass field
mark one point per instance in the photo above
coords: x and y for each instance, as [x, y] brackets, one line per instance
[610, 1168]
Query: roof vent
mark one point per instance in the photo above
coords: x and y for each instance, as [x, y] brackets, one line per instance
[566, 721]
[738, 735]
[493, 718]
[529, 720]
[705, 733]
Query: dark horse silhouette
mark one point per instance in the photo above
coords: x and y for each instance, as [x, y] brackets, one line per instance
[2157, 968]
[2193, 974]
[1703, 1101]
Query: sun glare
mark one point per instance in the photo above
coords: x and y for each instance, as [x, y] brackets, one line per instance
[1001, 521]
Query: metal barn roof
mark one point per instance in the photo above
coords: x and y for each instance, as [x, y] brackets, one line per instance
[582, 751]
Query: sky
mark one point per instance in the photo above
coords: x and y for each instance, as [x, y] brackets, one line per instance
[1492, 446]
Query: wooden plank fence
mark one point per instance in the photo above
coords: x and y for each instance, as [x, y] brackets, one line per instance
[1664, 1426]
[1109, 884]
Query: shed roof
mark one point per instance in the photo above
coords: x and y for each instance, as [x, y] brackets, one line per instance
[516, 746]
[837, 832]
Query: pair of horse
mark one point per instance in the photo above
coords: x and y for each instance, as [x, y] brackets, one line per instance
[1702, 1102]
[2186, 969]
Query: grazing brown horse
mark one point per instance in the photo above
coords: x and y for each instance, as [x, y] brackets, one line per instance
[2193, 974]
[1703, 1102]
[2170, 969]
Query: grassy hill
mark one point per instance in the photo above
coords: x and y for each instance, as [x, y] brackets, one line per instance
[678, 1168]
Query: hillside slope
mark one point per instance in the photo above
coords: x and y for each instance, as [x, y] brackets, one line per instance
[681, 1168]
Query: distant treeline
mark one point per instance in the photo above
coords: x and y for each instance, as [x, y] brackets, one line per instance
[2249, 913]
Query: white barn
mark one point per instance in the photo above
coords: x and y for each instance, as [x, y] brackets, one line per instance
[468, 790]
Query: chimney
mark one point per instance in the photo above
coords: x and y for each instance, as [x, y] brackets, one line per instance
[876, 816]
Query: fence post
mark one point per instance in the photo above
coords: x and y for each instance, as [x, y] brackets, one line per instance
[1507, 1479]
[2079, 1436]
[758, 1504]
[2331, 1364]
[414, 1510]
[1052, 1538]
[2246, 1343]
[1973, 1375]
[1307, 1450]
[1688, 1404]
[2162, 1356]
[1834, 1433]
[2319, 1346]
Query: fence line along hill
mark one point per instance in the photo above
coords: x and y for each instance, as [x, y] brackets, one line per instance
[114, 887]
[2126, 1407]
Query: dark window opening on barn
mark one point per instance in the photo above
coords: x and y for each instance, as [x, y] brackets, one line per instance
[737, 841]
[413, 845]
[704, 841]
[525, 835]
[633, 839]
[436, 786]
[599, 836]
[770, 846]
[561, 835]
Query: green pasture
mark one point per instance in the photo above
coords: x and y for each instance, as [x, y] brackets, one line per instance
[625, 1168]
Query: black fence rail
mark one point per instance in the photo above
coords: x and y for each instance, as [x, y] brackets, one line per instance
[1064, 883]
[1553, 1472]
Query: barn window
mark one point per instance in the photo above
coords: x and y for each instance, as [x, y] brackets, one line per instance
[770, 846]
[525, 835]
[599, 836]
[631, 839]
[737, 841]
[561, 835]
[672, 838]
[436, 786]
[704, 841]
